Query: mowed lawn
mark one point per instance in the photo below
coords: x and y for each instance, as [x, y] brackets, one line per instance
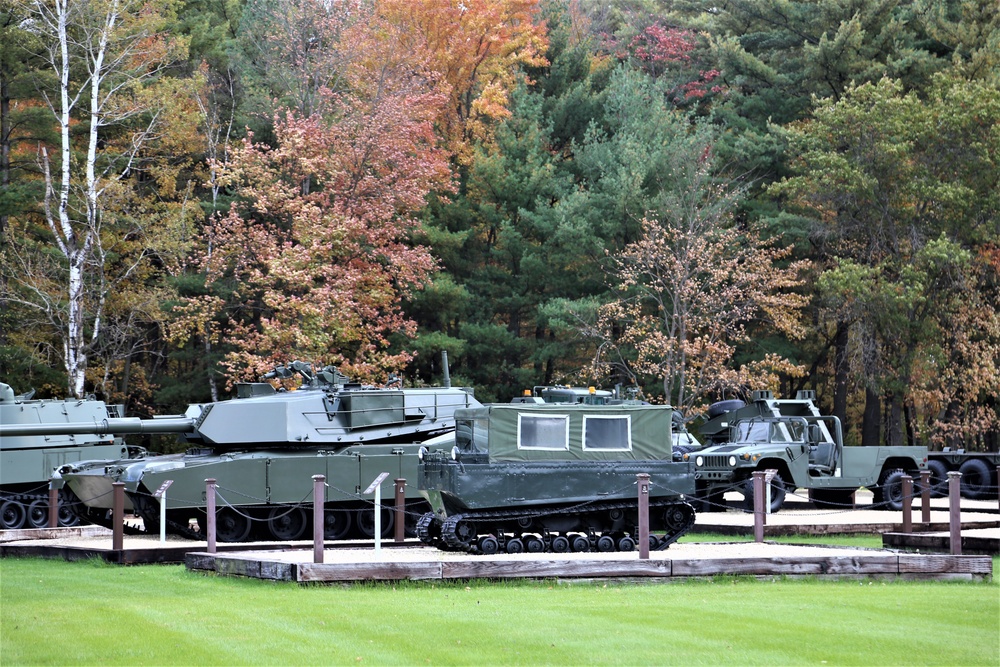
[90, 613]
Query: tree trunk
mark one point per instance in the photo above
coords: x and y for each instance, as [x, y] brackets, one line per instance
[840, 373]
[894, 423]
[871, 426]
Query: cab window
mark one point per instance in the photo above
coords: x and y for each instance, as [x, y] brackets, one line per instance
[607, 433]
[548, 432]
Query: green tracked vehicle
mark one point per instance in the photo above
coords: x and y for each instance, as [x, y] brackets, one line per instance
[262, 448]
[27, 462]
[554, 477]
[805, 447]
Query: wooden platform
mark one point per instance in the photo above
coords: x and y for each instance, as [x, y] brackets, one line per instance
[801, 517]
[981, 541]
[680, 562]
[86, 542]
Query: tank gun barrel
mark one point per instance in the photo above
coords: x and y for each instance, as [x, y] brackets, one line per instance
[110, 426]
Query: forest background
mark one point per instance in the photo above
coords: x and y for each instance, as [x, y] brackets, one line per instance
[696, 198]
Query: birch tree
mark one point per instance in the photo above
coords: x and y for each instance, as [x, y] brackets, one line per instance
[104, 56]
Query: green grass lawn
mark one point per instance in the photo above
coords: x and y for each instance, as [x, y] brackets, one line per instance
[88, 613]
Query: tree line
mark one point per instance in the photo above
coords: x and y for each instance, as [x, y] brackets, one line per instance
[697, 199]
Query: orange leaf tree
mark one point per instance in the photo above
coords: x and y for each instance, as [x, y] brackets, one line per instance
[478, 47]
[317, 250]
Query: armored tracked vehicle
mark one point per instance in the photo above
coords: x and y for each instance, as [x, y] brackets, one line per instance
[263, 447]
[804, 446]
[27, 462]
[554, 477]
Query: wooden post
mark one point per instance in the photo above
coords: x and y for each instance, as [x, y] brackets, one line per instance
[400, 524]
[643, 483]
[210, 513]
[319, 498]
[997, 487]
[925, 496]
[53, 506]
[907, 504]
[758, 505]
[955, 512]
[117, 515]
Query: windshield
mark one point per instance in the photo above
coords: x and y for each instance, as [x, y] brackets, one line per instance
[770, 431]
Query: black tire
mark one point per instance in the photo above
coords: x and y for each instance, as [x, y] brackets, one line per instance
[364, 521]
[939, 479]
[12, 515]
[977, 480]
[779, 489]
[232, 525]
[287, 523]
[337, 524]
[38, 513]
[722, 407]
[892, 489]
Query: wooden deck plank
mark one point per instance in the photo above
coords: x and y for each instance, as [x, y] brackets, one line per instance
[319, 572]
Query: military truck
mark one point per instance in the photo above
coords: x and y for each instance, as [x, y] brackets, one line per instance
[554, 477]
[27, 462]
[805, 447]
[979, 472]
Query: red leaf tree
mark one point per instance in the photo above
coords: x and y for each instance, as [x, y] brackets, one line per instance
[317, 250]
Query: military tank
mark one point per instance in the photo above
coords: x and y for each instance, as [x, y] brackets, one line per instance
[263, 447]
[535, 476]
[27, 462]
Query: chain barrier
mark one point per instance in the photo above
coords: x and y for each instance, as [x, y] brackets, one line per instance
[884, 505]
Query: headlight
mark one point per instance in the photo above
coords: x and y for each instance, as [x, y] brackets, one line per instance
[421, 453]
[454, 453]
[732, 461]
[700, 461]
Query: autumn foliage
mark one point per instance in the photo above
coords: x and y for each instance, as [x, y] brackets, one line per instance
[319, 246]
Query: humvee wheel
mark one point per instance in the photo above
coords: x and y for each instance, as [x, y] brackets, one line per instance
[892, 489]
[779, 489]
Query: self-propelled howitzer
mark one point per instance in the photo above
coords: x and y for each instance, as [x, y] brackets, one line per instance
[263, 447]
[27, 461]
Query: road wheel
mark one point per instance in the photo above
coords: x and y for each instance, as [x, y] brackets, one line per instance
[38, 513]
[12, 515]
[977, 482]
